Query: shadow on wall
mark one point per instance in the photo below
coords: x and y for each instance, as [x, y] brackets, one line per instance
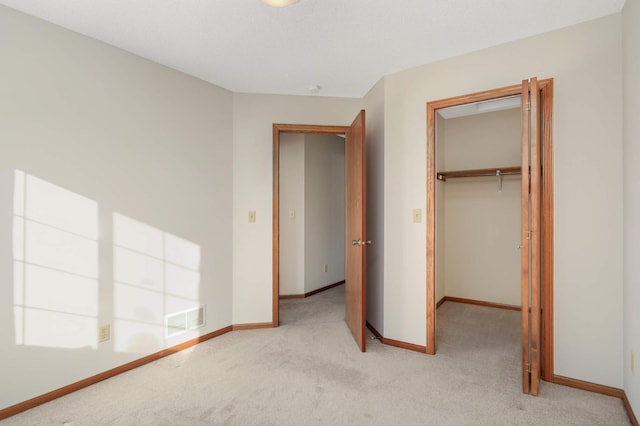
[56, 276]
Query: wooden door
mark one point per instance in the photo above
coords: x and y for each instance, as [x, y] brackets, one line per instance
[355, 232]
[531, 253]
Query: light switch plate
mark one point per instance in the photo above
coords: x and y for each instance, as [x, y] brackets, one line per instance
[104, 333]
[417, 215]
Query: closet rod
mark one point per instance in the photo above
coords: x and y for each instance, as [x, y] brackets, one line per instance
[443, 176]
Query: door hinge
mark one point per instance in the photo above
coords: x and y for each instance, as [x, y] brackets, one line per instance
[528, 367]
[529, 234]
[528, 105]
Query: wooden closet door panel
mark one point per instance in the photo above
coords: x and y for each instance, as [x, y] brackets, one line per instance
[531, 248]
[524, 245]
[534, 140]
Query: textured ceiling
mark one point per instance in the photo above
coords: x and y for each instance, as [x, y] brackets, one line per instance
[344, 46]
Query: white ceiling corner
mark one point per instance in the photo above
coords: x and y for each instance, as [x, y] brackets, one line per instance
[343, 46]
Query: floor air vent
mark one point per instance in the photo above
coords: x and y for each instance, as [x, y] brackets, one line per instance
[182, 321]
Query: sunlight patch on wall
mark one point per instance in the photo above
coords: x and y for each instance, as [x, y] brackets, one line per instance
[156, 275]
[55, 253]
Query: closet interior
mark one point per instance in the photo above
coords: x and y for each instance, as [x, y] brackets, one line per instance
[478, 215]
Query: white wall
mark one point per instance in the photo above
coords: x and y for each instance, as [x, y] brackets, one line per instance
[482, 140]
[253, 118]
[374, 129]
[482, 231]
[324, 218]
[292, 236]
[482, 225]
[585, 62]
[114, 135]
[631, 183]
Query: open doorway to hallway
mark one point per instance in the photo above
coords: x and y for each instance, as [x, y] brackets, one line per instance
[312, 218]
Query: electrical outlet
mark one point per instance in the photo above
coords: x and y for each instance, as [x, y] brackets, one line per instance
[326, 267]
[417, 215]
[633, 362]
[252, 216]
[104, 333]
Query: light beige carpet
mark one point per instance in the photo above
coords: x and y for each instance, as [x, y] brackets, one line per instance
[309, 372]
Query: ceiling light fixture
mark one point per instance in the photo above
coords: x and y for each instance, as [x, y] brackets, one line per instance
[279, 3]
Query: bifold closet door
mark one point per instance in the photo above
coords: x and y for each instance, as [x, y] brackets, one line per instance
[530, 245]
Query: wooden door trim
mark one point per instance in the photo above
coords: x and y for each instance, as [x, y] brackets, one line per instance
[275, 253]
[546, 89]
[546, 134]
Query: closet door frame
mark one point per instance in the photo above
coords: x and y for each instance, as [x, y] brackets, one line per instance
[546, 103]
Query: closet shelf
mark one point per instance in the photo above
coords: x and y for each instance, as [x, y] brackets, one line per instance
[443, 176]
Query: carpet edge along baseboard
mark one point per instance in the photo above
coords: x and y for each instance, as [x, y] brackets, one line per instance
[65, 390]
[50, 396]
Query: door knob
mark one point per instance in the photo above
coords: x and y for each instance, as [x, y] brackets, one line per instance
[366, 243]
[359, 242]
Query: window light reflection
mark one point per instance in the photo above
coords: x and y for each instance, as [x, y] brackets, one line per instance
[55, 253]
[156, 274]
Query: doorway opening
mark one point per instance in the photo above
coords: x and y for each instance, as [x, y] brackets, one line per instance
[355, 240]
[536, 228]
[312, 219]
[278, 131]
